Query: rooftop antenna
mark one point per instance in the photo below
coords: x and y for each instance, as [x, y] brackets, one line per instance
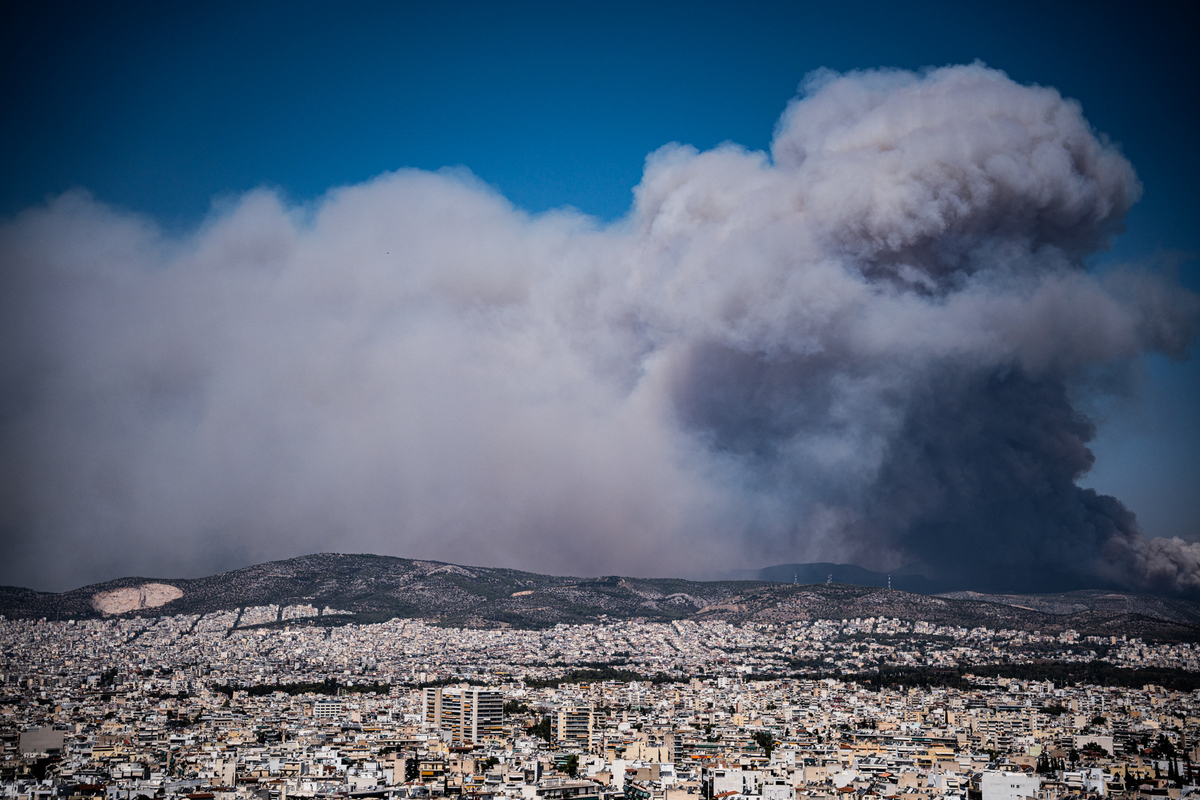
[889, 581]
[829, 580]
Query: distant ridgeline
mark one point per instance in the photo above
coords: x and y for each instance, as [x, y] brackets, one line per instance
[334, 589]
[906, 579]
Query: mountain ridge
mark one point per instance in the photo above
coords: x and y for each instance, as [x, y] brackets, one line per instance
[908, 579]
[371, 588]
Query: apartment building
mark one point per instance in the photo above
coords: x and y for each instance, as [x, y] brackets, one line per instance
[574, 725]
[466, 714]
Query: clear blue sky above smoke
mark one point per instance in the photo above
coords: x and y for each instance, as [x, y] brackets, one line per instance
[170, 109]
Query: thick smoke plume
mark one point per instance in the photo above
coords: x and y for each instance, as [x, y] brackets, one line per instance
[869, 345]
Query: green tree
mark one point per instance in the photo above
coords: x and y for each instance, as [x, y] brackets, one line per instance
[766, 741]
[544, 729]
[1164, 747]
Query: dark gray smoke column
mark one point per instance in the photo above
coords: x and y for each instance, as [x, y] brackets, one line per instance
[899, 375]
[867, 346]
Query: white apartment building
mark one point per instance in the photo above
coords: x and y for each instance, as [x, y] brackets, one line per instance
[1008, 785]
[327, 709]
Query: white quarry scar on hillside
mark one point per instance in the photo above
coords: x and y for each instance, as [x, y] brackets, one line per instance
[148, 595]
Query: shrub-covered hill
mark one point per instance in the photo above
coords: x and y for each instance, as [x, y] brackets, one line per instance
[374, 588]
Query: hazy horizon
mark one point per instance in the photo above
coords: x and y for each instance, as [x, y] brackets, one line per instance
[659, 293]
[741, 574]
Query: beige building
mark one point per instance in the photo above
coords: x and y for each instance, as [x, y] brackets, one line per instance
[466, 714]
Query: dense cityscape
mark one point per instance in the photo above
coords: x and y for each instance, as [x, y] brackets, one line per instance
[599, 401]
[273, 702]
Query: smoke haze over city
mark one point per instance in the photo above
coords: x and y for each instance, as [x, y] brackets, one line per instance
[873, 344]
[375, 281]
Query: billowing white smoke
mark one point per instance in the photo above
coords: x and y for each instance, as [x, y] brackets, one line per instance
[860, 347]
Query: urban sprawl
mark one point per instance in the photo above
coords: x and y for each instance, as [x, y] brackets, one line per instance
[261, 704]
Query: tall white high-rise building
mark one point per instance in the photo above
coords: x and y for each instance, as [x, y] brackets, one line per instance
[467, 714]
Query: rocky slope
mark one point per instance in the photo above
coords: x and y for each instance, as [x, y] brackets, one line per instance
[373, 588]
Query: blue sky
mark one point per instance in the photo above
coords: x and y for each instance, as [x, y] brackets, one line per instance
[168, 109]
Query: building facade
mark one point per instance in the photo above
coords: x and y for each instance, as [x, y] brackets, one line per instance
[465, 714]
